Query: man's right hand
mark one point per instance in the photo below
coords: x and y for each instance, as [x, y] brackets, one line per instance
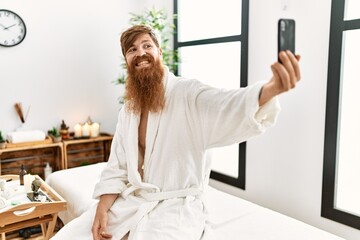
[100, 224]
[99, 228]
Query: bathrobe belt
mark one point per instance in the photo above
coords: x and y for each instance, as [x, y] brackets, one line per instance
[157, 195]
[152, 199]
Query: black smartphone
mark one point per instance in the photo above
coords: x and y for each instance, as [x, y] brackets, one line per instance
[286, 35]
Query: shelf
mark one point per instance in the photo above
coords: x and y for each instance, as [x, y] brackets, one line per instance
[62, 155]
[34, 146]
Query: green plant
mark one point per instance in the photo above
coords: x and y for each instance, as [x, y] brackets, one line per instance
[158, 20]
[54, 132]
[1, 138]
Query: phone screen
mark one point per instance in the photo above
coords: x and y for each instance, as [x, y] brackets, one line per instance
[286, 35]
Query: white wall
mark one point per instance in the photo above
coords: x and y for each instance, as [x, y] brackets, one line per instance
[284, 166]
[66, 65]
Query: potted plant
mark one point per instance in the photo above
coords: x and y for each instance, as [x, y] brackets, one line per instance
[2, 141]
[158, 20]
[54, 134]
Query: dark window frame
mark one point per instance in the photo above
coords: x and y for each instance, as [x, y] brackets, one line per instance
[337, 26]
[243, 38]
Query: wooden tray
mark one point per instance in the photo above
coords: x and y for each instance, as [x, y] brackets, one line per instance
[32, 209]
[26, 144]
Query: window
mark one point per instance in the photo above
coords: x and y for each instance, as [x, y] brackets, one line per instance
[207, 32]
[341, 181]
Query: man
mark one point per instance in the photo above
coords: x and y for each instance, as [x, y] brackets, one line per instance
[157, 169]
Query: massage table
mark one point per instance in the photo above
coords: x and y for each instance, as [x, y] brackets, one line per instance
[230, 217]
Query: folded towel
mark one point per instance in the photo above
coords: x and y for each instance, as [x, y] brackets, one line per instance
[3, 202]
[26, 136]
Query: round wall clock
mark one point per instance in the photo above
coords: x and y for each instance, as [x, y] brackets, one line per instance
[12, 28]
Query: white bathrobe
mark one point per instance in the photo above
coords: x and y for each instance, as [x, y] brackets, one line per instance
[167, 204]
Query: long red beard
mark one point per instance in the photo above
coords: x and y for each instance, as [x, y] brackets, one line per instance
[144, 89]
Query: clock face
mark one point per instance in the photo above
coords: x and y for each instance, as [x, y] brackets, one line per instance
[12, 28]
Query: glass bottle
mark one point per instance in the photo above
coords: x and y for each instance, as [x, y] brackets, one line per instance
[22, 173]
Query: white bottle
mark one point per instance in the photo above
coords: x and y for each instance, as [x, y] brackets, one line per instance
[47, 170]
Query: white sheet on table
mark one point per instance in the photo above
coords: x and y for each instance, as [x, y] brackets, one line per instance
[236, 218]
[76, 186]
[230, 217]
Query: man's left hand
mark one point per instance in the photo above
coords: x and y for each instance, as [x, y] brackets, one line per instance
[285, 76]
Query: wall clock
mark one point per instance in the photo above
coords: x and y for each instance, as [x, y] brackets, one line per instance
[12, 28]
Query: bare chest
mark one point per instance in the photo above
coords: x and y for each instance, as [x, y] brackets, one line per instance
[142, 130]
[142, 142]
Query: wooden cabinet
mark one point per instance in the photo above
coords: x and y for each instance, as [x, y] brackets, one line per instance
[62, 155]
[82, 152]
[34, 158]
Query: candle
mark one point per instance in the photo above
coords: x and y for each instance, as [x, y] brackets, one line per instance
[86, 130]
[77, 130]
[28, 179]
[94, 130]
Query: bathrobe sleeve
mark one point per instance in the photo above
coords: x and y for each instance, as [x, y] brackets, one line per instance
[114, 177]
[231, 116]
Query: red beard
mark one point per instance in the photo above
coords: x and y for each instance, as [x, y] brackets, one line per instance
[144, 89]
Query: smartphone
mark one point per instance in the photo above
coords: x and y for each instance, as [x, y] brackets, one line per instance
[286, 35]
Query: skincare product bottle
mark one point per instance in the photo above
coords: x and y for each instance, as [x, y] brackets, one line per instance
[47, 170]
[21, 174]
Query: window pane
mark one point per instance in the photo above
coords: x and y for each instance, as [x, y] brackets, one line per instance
[225, 160]
[348, 164]
[352, 9]
[217, 65]
[202, 19]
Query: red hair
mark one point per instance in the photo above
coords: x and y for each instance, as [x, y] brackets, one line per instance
[130, 35]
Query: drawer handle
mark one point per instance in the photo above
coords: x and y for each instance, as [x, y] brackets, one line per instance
[24, 212]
